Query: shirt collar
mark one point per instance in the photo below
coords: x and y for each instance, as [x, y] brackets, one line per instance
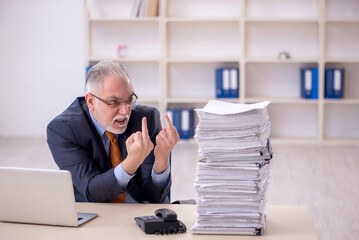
[99, 128]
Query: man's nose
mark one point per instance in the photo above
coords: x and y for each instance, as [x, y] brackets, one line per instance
[124, 109]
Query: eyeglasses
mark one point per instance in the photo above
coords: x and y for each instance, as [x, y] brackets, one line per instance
[115, 103]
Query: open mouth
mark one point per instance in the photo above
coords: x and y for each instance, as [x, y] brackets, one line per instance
[121, 122]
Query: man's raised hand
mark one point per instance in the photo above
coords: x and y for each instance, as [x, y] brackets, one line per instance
[166, 139]
[138, 147]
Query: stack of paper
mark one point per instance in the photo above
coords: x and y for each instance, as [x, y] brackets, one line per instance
[233, 170]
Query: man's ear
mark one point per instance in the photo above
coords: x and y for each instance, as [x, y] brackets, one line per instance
[90, 101]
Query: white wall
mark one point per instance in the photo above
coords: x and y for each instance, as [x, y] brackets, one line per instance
[41, 62]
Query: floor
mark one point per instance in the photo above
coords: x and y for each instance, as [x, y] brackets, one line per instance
[322, 177]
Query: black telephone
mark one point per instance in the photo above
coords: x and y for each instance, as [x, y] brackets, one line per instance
[165, 222]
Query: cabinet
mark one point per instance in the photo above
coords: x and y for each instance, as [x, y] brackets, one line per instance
[172, 58]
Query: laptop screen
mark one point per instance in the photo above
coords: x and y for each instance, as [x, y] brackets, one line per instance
[37, 196]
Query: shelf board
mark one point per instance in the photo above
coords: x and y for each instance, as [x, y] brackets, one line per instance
[341, 141]
[199, 100]
[341, 20]
[293, 140]
[341, 101]
[276, 60]
[283, 100]
[247, 100]
[281, 20]
[124, 59]
[124, 19]
[202, 59]
[200, 19]
[313, 141]
[342, 60]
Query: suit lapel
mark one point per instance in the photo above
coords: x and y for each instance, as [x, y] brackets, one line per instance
[98, 137]
[122, 144]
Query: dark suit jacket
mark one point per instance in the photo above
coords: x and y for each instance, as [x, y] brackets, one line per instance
[77, 147]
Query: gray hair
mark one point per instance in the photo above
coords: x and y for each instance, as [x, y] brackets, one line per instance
[98, 72]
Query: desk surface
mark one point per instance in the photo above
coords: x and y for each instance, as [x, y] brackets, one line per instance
[115, 221]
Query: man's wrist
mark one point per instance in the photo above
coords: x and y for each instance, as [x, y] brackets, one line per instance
[161, 179]
[161, 164]
[122, 176]
[130, 165]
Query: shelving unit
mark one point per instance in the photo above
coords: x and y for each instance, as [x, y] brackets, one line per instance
[172, 58]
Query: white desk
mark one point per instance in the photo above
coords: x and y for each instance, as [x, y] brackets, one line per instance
[115, 221]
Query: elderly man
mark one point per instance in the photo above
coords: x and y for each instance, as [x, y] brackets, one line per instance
[115, 150]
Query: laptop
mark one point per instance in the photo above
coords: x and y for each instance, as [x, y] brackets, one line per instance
[39, 196]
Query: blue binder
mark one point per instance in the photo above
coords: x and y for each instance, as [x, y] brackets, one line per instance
[183, 120]
[219, 90]
[334, 82]
[227, 82]
[234, 82]
[309, 83]
[187, 128]
[222, 83]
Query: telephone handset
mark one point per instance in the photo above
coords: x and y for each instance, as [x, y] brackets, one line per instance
[165, 222]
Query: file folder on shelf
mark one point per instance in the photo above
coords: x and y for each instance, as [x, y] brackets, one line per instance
[309, 83]
[334, 82]
[183, 120]
[234, 81]
[227, 82]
